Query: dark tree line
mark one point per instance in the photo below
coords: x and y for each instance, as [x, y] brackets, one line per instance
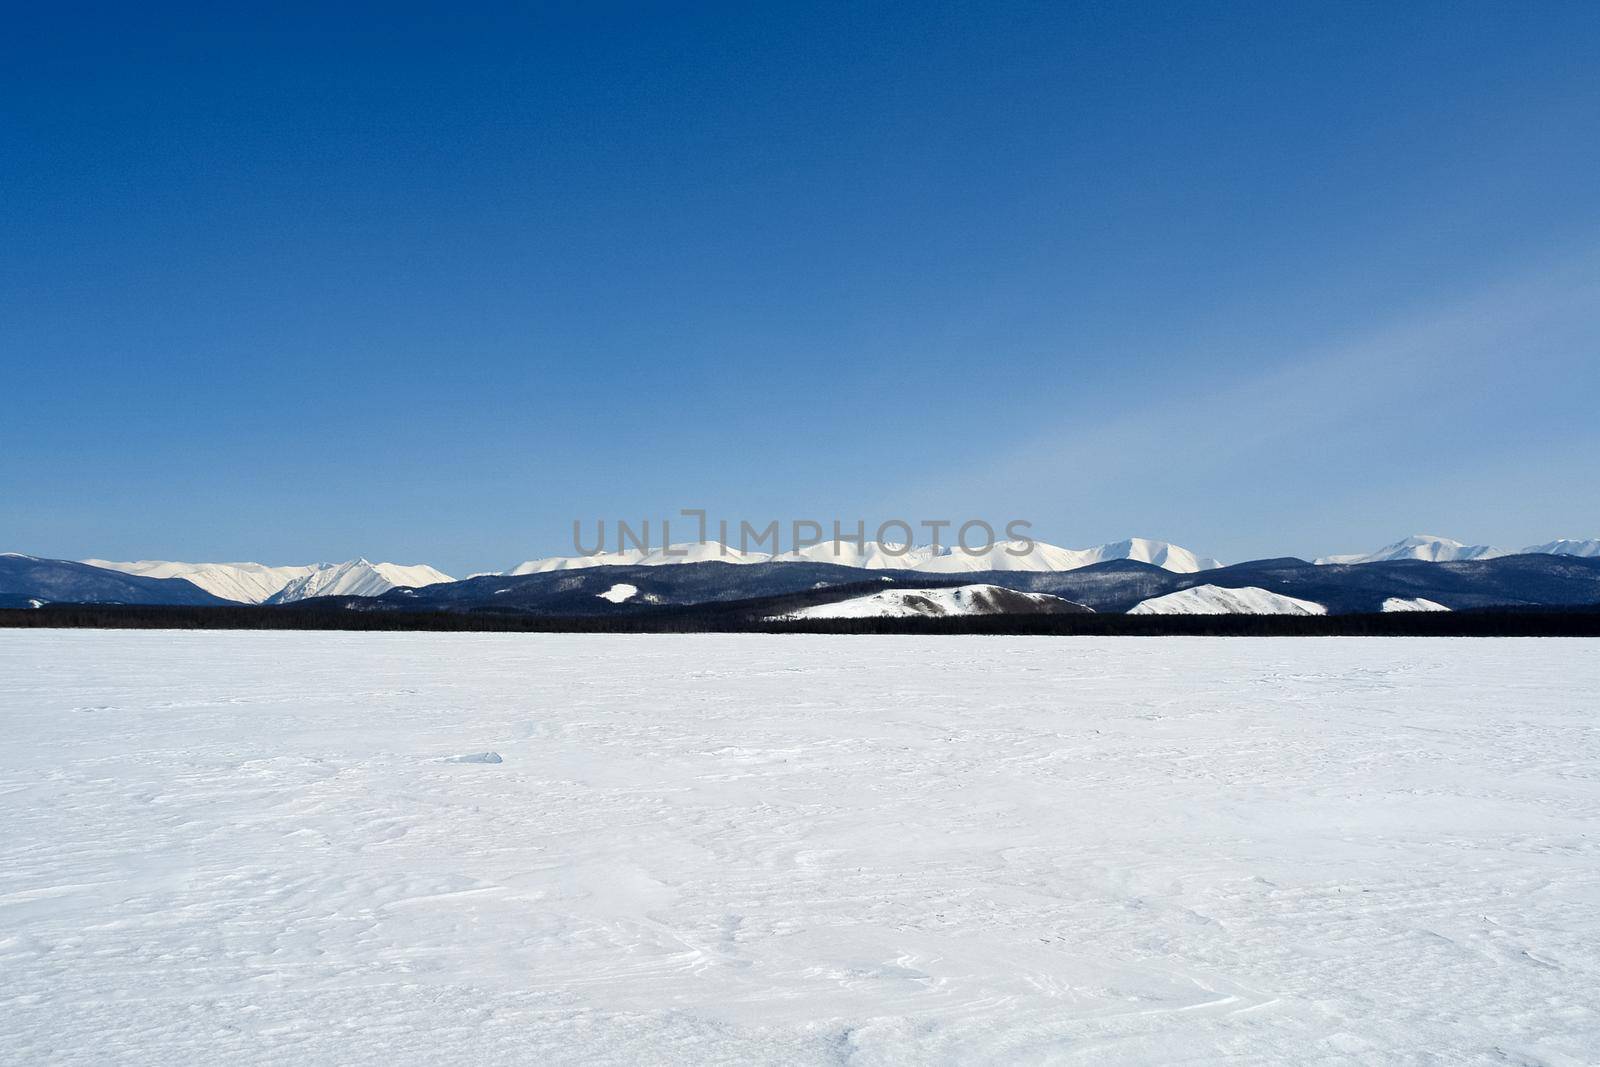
[742, 618]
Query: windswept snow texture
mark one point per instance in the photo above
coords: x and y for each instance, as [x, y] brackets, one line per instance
[746, 849]
[1216, 600]
[938, 604]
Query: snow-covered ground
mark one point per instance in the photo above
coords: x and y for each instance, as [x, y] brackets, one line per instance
[254, 848]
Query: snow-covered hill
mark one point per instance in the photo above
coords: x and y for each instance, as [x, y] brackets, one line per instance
[1002, 556]
[248, 583]
[938, 603]
[1400, 603]
[358, 577]
[1216, 600]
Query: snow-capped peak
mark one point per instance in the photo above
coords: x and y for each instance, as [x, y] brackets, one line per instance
[1424, 547]
[1443, 549]
[358, 577]
[1588, 548]
[247, 583]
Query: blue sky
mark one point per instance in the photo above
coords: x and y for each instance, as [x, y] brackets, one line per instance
[1258, 279]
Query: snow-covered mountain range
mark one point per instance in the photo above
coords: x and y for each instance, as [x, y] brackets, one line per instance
[1002, 556]
[1588, 548]
[255, 583]
[358, 577]
[32, 581]
[247, 583]
[1155, 575]
[1445, 550]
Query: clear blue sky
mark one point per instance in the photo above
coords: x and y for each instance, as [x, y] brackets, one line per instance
[1258, 279]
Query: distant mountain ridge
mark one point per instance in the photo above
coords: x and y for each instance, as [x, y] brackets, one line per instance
[1417, 573]
[255, 583]
[246, 583]
[1113, 586]
[1587, 549]
[1446, 550]
[1001, 556]
[358, 577]
[30, 581]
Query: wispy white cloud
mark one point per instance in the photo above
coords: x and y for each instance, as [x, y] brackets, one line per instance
[1411, 402]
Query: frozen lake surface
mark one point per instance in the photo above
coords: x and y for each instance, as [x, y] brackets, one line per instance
[271, 848]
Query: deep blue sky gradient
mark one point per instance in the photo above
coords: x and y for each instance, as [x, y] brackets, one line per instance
[292, 285]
